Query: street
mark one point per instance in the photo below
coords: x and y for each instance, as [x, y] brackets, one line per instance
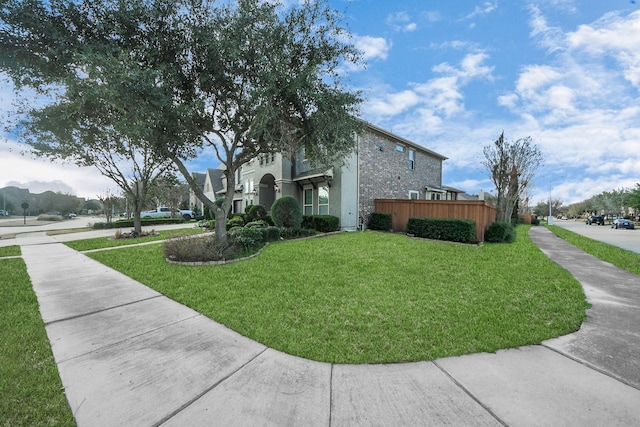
[626, 239]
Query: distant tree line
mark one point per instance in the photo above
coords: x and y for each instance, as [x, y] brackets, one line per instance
[166, 190]
[12, 198]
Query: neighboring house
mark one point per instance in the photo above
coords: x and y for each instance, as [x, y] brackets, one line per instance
[383, 166]
[210, 183]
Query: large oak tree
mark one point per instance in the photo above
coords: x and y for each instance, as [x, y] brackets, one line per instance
[238, 79]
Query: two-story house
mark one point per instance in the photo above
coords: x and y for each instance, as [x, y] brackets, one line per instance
[382, 166]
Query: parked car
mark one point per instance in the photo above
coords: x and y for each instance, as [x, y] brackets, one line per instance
[3, 212]
[165, 212]
[71, 215]
[595, 219]
[622, 223]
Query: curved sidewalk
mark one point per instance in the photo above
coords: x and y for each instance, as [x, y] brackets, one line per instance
[129, 356]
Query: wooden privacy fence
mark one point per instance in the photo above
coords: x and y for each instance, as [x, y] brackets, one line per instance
[402, 209]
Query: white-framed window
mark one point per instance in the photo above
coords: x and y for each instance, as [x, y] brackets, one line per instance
[414, 195]
[323, 200]
[400, 148]
[434, 196]
[412, 159]
[307, 208]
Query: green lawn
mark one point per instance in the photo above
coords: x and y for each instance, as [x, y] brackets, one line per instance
[31, 392]
[372, 297]
[619, 257]
[13, 250]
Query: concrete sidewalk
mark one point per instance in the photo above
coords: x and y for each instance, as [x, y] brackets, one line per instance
[130, 356]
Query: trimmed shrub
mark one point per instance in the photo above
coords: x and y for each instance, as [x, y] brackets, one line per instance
[296, 233]
[256, 213]
[452, 230]
[285, 212]
[257, 224]
[500, 232]
[321, 223]
[271, 234]
[236, 220]
[248, 238]
[379, 221]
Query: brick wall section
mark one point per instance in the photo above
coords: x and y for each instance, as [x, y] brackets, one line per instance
[385, 173]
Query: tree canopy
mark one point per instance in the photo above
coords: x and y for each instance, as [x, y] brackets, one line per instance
[58, 50]
[184, 78]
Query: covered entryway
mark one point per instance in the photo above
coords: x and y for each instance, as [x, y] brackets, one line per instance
[266, 190]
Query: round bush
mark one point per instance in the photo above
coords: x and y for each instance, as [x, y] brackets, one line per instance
[247, 237]
[256, 213]
[500, 232]
[285, 212]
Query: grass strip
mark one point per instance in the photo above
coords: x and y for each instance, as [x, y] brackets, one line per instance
[13, 250]
[109, 242]
[31, 392]
[371, 297]
[615, 255]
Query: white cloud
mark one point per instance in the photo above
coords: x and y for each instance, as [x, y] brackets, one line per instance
[438, 98]
[452, 44]
[550, 38]
[401, 21]
[583, 107]
[412, 26]
[534, 77]
[432, 16]
[509, 100]
[394, 103]
[486, 8]
[372, 47]
[472, 67]
[615, 36]
[442, 95]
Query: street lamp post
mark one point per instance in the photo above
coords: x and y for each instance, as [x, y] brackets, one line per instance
[550, 217]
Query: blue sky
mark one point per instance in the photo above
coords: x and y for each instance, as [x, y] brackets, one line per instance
[452, 75]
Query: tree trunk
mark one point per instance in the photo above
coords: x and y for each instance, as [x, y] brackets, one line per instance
[137, 221]
[221, 225]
